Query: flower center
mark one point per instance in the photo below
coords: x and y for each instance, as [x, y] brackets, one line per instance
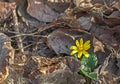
[80, 48]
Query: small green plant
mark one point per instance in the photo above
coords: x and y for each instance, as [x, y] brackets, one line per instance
[88, 60]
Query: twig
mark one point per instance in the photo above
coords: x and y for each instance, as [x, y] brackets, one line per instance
[25, 46]
[16, 28]
[45, 27]
[105, 64]
[20, 35]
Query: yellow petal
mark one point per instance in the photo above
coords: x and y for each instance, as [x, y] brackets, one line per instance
[87, 47]
[77, 43]
[79, 54]
[73, 47]
[81, 41]
[86, 54]
[73, 52]
[87, 43]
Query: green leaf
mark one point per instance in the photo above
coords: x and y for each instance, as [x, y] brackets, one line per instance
[89, 63]
[84, 72]
[91, 75]
[76, 55]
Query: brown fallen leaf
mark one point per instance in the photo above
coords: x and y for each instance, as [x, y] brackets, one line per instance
[98, 45]
[39, 10]
[85, 23]
[107, 35]
[60, 42]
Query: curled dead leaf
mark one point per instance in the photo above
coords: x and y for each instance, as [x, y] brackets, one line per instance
[98, 45]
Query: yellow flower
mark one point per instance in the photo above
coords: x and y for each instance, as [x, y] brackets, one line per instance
[80, 48]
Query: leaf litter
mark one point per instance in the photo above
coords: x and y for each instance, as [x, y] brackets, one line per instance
[45, 29]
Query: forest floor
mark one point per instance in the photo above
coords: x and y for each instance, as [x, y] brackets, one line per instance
[36, 35]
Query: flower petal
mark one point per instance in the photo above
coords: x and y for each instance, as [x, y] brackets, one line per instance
[81, 41]
[86, 54]
[79, 54]
[73, 52]
[87, 47]
[77, 43]
[87, 43]
[73, 47]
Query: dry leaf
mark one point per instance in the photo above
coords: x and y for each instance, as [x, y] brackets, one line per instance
[85, 23]
[107, 35]
[98, 45]
[60, 42]
[41, 11]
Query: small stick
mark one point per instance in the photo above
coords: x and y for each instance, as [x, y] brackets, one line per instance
[16, 28]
